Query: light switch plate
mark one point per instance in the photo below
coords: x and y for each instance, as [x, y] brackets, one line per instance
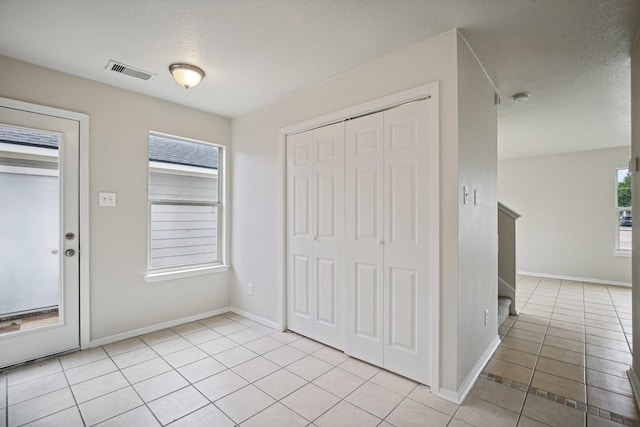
[465, 195]
[107, 199]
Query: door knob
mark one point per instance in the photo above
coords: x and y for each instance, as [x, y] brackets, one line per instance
[69, 252]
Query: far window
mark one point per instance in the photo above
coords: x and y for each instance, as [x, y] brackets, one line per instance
[184, 204]
[623, 206]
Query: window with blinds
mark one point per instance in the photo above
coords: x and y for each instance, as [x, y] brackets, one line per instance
[184, 203]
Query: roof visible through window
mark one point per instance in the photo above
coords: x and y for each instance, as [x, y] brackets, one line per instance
[179, 152]
[27, 137]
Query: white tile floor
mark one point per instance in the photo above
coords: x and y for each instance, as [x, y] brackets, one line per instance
[228, 370]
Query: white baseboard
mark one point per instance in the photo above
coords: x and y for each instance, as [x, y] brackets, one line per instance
[635, 384]
[172, 323]
[576, 279]
[157, 327]
[257, 319]
[458, 396]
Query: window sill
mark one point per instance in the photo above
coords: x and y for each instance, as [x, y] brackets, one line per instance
[171, 275]
[622, 253]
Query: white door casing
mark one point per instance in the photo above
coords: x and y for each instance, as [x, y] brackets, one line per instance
[23, 346]
[391, 229]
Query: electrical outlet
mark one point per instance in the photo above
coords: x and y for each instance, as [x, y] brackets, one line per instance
[107, 199]
[486, 317]
[250, 290]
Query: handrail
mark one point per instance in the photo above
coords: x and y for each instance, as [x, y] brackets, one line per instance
[508, 211]
[503, 282]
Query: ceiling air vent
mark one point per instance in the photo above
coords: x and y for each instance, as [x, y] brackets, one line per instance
[129, 71]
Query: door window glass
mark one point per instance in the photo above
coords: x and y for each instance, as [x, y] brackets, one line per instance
[29, 229]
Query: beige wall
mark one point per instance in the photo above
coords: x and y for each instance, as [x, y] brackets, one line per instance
[568, 222]
[258, 171]
[121, 301]
[258, 187]
[120, 121]
[478, 228]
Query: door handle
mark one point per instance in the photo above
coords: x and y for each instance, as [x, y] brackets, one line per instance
[69, 252]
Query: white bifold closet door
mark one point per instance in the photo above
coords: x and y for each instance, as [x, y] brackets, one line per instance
[315, 244]
[388, 239]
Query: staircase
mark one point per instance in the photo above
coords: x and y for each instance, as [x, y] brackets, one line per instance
[506, 262]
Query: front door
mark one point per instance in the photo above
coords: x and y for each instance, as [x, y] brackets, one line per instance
[39, 241]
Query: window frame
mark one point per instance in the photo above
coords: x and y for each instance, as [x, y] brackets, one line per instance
[193, 269]
[618, 251]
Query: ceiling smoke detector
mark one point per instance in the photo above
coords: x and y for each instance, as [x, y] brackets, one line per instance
[520, 97]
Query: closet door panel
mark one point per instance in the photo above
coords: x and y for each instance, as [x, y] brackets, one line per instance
[328, 247]
[301, 286]
[327, 205]
[367, 200]
[361, 207]
[366, 297]
[364, 238]
[327, 292]
[408, 138]
[300, 231]
[402, 191]
[301, 206]
[403, 325]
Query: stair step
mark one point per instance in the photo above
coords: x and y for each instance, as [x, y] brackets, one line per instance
[504, 303]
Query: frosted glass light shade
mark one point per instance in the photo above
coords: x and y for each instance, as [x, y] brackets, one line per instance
[186, 75]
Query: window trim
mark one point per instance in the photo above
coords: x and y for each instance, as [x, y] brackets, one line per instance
[190, 270]
[153, 277]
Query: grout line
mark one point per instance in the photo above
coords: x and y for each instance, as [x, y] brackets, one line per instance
[128, 382]
[147, 345]
[535, 365]
[529, 389]
[615, 308]
[68, 387]
[584, 347]
[562, 400]
[64, 372]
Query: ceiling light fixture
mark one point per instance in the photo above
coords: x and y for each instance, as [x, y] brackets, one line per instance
[186, 75]
[520, 97]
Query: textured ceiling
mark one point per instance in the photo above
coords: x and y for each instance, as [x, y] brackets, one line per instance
[571, 55]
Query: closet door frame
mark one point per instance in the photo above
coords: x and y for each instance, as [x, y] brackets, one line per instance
[430, 90]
